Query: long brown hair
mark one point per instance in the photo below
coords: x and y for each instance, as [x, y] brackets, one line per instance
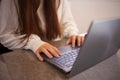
[29, 22]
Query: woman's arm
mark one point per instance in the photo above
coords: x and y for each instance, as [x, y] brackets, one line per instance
[11, 40]
[70, 29]
[68, 22]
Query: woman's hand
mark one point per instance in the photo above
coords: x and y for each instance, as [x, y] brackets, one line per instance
[48, 50]
[75, 39]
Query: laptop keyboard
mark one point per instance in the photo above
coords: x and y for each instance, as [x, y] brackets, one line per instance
[67, 59]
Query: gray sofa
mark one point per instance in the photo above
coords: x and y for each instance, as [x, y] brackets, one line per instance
[23, 65]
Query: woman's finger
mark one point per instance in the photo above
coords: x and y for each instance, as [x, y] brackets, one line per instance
[53, 52]
[83, 38]
[48, 54]
[39, 56]
[57, 51]
[68, 41]
[73, 41]
[79, 39]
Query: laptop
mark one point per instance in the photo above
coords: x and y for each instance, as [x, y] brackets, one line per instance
[101, 42]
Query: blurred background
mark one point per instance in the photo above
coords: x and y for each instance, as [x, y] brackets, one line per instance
[85, 11]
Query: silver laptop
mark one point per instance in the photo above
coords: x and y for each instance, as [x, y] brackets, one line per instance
[102, 41]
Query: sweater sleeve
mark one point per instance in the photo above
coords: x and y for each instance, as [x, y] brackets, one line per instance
[34, 43]
[68, 22]
[13, 41]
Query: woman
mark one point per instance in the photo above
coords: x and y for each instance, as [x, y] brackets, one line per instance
[28, 24]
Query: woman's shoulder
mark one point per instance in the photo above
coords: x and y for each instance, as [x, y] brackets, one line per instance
[64, 3]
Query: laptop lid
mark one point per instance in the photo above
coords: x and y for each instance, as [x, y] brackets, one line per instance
[101, 42]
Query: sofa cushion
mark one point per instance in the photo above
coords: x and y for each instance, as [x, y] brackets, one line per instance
[4, 74]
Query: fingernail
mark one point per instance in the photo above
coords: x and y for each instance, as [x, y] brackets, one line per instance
[66, 44]
[41, 60]
[51, 56]
[60, 54]
[57, 56]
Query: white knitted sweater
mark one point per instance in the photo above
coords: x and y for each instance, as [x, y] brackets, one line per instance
[9, 24]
